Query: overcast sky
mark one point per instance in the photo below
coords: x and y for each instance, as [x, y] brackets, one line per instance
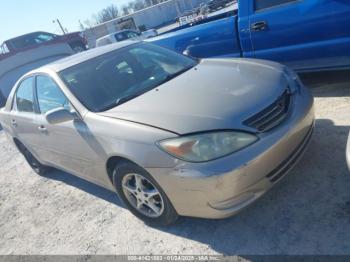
[18, 17]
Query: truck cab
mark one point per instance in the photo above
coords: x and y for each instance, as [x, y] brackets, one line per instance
[304, 34]
[307, 35]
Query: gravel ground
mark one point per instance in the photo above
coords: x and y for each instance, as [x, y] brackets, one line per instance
[307, 213]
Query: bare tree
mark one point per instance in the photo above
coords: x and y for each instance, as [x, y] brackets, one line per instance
[139, 5]
[88, 23]
[131, 7]
[107, 14]
[125, 10]
[148, 2]
[111, 12]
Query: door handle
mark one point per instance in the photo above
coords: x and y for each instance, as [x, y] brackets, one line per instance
[258, 26]
[13, 123]
[42, 128]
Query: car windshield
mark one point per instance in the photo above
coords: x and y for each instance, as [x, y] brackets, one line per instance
[114, 78]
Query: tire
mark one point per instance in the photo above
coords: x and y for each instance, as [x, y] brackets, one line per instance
[34, 163]
[78, 47]
[124, 178]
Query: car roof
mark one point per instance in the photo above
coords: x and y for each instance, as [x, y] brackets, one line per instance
[116, 32]
[26, 35]
[73, 60]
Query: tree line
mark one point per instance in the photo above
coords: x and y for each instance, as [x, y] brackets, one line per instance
[111, 12]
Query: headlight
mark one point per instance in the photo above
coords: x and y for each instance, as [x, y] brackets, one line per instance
[207, 146]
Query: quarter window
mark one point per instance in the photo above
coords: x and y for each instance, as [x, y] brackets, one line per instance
[24, 96]
[263, 4]
[50, 95]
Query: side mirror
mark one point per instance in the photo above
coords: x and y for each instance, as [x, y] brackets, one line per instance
[60, 115]
[187, 53]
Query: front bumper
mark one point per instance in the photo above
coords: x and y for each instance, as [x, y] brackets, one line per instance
[223, 187]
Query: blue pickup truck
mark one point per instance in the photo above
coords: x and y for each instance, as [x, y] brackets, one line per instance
[307, 35]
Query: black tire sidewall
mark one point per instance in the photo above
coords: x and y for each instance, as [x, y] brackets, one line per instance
[40, 169]
[169, 215]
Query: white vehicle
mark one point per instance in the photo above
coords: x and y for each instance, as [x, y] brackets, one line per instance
[125, 35]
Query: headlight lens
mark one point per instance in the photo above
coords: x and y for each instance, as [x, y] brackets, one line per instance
[207, 146]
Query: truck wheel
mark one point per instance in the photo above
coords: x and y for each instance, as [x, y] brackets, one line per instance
[78, 47]
[38, 168]
[142, 195]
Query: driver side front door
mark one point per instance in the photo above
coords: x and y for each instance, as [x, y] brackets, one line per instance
[67, 144]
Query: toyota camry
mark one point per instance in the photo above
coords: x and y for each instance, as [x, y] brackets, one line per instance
[171, 135]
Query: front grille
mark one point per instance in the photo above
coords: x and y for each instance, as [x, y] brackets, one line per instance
[271, 116]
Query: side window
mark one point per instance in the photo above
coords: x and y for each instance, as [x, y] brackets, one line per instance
[50, 95]
[120, 37]
[24, 96]
[263, 4]
[42, 38]
[131, 34]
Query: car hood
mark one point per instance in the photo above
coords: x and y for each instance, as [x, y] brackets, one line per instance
[217, 94]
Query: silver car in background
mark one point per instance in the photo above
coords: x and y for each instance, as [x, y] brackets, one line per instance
[126, 34]
[170, 134]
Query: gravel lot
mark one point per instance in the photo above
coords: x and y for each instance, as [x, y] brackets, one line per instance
[307, 213]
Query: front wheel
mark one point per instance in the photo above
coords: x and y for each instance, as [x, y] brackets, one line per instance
[142, 195]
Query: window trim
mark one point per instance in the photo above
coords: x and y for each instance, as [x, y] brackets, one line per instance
[292, 2]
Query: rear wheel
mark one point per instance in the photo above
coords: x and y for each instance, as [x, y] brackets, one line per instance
[78, 47]
[142, 195]
[38, 168]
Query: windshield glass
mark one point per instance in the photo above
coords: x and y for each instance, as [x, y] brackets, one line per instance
[118, 76]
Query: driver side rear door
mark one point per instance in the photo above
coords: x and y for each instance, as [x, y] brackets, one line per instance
[23, 117]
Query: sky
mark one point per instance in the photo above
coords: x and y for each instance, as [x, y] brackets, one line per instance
[19, 17]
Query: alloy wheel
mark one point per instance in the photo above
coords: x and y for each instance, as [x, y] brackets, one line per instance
[143, 195]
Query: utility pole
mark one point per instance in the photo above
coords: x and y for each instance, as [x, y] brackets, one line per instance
[60, 25]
